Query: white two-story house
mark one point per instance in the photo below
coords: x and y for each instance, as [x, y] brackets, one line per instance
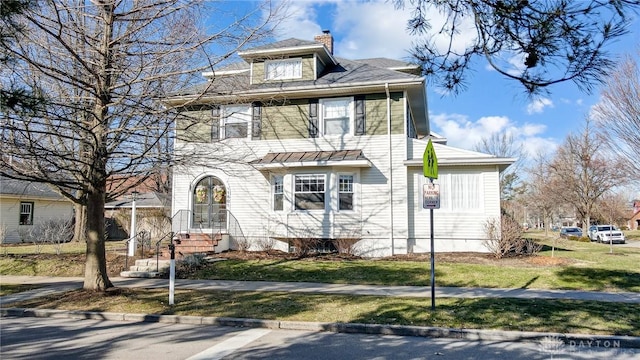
[295, 145]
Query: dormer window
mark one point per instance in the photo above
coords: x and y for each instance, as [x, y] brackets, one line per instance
[283, 69]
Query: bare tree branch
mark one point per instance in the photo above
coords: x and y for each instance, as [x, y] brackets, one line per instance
[553, 41]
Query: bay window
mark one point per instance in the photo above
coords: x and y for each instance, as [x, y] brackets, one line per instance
[278, 192]
[309, 192]
[345, 192]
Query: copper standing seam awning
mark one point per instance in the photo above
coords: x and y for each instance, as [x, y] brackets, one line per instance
[345, 158]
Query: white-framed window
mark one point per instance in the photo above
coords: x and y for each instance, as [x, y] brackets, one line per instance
[345, 192]
[235, 120]
[337, 116]
[26, 213]
[460, 192]
[283, 69]
[277, 188]
[309, 191]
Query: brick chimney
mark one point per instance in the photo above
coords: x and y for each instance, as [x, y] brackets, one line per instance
[327, 39]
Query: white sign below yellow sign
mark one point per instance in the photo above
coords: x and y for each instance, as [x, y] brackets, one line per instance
[431, 196]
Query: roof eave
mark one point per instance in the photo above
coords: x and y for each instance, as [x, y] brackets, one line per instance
[422, 121]
[319, 49]
[502, 163]
[417, 97]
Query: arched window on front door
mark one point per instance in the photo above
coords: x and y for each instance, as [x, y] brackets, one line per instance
[210, 204]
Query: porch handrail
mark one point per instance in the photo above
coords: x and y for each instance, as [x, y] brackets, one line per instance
[181, 222]
[167, 235]
[142, 235]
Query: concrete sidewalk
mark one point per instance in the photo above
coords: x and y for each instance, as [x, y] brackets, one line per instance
[63, 284]
[52, 285]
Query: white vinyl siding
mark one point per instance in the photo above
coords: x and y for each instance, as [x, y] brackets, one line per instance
[42, 210]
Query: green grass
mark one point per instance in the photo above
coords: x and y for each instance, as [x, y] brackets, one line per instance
[576, 265]
[8, 289]
[582, 266]
[42, 265]
[65, 248]
[632, 234]
[566, 316]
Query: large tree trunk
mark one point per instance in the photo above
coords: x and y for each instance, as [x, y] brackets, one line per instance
[95, 270]
[80, 226]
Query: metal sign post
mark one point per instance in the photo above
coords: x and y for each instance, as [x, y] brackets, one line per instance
[172, 273]
[431, 200]
[433, 265]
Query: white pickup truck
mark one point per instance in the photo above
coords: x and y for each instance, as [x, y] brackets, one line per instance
[606, 234]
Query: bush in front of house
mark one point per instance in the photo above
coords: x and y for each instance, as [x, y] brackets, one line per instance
[504, 238]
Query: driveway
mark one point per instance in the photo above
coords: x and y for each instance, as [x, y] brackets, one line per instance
[631, 243]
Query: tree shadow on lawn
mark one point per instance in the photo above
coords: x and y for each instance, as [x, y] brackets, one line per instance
[553, 315]
[352, 272]
[601, 279]
[549, 248]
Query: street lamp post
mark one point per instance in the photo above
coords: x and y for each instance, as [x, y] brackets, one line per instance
[132, 239]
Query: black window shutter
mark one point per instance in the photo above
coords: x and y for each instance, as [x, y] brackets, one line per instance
[313, 118]
[215, 123]
[360, 116]
[256, 127]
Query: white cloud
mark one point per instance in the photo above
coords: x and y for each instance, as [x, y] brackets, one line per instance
[465, 133]
[538, 105]
[493, 124]
[534, 146]
[533, 129]
[367, 28]
[461, 132]
[300, 21]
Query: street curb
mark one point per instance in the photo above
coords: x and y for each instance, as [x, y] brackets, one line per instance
[545, 338]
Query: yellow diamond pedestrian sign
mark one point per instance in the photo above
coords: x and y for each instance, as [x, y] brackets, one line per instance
[430, 162]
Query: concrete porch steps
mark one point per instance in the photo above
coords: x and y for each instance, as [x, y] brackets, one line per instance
[146, 268]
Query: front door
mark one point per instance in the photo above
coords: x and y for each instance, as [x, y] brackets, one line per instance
[210, 204]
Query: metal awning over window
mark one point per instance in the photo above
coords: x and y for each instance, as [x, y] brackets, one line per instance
[345, 158]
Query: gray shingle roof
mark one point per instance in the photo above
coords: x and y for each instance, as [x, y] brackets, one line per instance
[25, 189]
[347, 72]
[143, 200]
[392, 64]
[288, 43]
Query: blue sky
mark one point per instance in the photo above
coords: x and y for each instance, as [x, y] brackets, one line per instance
[365, 29]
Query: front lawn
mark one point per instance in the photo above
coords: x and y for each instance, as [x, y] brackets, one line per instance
[563, 316]
[575, 265]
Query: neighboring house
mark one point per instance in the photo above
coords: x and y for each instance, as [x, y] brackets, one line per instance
[24, 205]
[634, 221]
[152, 215]
[304, 146]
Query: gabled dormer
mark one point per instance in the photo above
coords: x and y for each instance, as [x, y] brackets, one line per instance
[290, 60]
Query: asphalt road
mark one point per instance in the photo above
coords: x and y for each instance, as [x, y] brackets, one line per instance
[55, 338]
